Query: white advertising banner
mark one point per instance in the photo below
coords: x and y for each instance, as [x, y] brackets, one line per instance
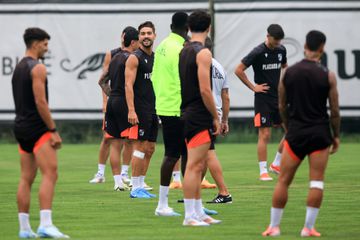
[82, 33]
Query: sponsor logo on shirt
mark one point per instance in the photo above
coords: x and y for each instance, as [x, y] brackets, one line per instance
[147, 76]
[271, 66]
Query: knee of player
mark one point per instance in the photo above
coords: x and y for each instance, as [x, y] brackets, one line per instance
[265, 136]
[317, 184]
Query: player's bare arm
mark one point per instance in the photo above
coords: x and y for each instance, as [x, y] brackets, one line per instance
[225, 108]
[240, 73]
[282, 102]
[203, 61]
[130, 76]
[38, 85]
[334, 112]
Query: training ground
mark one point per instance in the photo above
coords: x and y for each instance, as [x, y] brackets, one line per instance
[86, 211]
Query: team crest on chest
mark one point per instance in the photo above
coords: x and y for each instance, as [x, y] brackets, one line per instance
[280, 57]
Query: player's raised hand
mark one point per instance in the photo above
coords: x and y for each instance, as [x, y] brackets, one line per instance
[261, 88]
[335, 146]
[132, 118]
[216, 126]
[55, 140]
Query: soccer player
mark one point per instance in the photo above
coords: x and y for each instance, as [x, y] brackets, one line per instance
[201, 121]
[220, 90]
[304, 91]
[267, 60]
[140, 99]
[104, 151]
[36, 133]
[116, 124]
[166, 82]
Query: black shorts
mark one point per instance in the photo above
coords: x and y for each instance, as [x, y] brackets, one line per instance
[116, 118]
[266, 112]
[32, 144]
[196, 126]
[300, 145]
[147, 129]
[173, 135]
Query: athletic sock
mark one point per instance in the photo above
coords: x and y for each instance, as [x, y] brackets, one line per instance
[135, 183]
[176, 176]
[118, 181]
[124, 169]
[199, 208]
[24, 222]
[45, 218]
[101, 169]
[276, 215]
[189, 205]
[277, 159]
[263, 167]
[163, 197]
[311, 215]
[142, 181]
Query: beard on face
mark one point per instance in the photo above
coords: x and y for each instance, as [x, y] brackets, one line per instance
[147, 46]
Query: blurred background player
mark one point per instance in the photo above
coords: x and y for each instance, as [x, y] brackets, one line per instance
[198, 110]
[36, 133]
[304, 91]
[116, 124]
[140, 99]
[105, 143]
[220, 90]
[267, 60]
[166, 82]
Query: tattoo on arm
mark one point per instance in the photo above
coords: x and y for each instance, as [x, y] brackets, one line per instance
[104, 83]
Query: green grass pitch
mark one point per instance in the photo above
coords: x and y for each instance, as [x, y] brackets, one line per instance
[86, 211]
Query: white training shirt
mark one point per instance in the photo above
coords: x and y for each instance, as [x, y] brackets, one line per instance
[219, 82]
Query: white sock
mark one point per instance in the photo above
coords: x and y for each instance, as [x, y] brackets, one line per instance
[142, 181]
[199, 208]
[263, 167]
[311, 215]
[176, 176]
[124, 169]
[135, 183]
[276, 215]
[118, 181]
[163, 197]
[45, 218]
[24, 222]
[277, 159]
[189, 205]
[101, 169]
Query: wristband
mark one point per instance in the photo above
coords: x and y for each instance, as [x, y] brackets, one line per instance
[52, 130]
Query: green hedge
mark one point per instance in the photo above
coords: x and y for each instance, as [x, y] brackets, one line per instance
[241, 131]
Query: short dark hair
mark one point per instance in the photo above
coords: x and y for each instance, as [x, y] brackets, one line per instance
[314, 40]
[208, 43]
[34, 34]
[126, 29]
[147, 24]
[199, 21]
[179, 21]
[130, 34]
[276, 31]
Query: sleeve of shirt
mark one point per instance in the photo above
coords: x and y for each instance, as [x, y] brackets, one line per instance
[249, 59]
[284, 60]
[225, 83]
